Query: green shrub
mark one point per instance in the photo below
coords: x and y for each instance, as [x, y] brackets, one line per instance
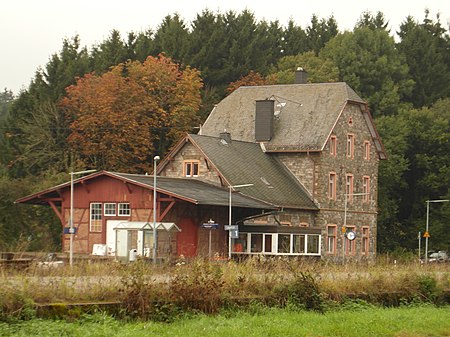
[198, 287]
[141, 295]
[428, 289]
[303, 293]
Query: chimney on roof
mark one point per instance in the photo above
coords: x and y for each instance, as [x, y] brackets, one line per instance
[264, 120]
[226, 136]
[301, 76]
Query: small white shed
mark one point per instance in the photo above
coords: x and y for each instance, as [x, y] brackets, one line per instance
[137, 236]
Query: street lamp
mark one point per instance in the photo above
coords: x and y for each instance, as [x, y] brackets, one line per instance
[155, 235]
[344, 228]
[71, 229]
[427, 234]
[229, 218]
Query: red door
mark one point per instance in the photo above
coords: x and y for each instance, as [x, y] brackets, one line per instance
[187, 238]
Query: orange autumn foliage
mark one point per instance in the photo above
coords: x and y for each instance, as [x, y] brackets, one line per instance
[136, 110]
[251, 79]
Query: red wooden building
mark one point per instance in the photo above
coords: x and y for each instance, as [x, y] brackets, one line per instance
[106, 201]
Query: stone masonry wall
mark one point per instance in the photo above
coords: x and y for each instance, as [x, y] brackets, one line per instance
[190, 152]
[313, 169]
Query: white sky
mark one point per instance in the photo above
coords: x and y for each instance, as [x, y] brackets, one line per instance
[32, 30]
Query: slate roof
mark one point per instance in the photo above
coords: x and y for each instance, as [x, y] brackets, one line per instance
[304, 123]
[195, 191]
[245, 163]
[190, 190]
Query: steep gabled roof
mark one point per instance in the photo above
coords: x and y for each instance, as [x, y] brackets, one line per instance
[240, 162]
[193, 191]
[306, 118]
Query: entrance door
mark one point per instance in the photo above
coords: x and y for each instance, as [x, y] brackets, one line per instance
[187, 239]
[111, 237]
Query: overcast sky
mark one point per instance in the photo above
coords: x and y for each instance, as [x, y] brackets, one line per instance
[32, 30]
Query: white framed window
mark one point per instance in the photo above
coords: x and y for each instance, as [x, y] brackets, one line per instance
[298, 244]
[284, 243]
[312, 244]
[191, 168]
[109, 209]
[256, 243]
[95, 217]
[277, 244]
[124, 209]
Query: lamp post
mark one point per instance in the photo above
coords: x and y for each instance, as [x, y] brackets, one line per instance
[155, 235]
[344, 227]
[427, 234]
[71, 228]
[229, 215]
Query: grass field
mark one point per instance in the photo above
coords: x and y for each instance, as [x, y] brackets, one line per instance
[358, 320]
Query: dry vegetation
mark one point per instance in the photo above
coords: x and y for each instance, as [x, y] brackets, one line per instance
[149, 291]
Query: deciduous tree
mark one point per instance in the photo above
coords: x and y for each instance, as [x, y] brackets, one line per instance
[121, 118]
[319, 69]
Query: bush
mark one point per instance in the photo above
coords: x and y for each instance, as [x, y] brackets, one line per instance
[428, 289]
[303, 293]
[198, 287]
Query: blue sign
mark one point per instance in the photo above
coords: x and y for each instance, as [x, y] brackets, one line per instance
[69, 230]
[210, 225]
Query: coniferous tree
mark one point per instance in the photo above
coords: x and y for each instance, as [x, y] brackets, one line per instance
[144, 46]
[294, 40]
[209, 48]
[319, 32]
[373, 22]
[171, 38]
[426, 48]
[109, 53]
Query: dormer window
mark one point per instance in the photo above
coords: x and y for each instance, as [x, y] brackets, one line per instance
[191, 168]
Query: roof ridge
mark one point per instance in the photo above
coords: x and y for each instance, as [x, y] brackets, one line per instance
[232, 140]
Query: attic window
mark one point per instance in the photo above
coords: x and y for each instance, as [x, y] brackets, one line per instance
[191, 168]
[350, 121]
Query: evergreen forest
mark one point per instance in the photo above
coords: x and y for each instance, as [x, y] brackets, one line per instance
[116, 104]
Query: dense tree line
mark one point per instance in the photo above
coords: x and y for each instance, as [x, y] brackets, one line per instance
[168, 80]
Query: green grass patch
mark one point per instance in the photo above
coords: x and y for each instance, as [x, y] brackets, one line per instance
[423, 320]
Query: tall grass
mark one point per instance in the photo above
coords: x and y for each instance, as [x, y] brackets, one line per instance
[162, 291]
